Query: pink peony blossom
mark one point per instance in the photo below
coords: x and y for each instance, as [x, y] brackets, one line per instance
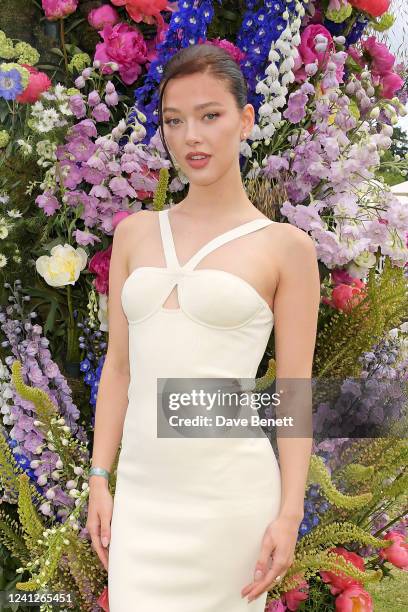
[340, 581]
[99, 265]
[58, 9]
[228, 46]
[295, 596]
[397, 553]
[308, 54]
[38, 82]
[104, 15]
[125, 45]
[390, 83]
[148, 11]
[381, 59]
[103, 600]
[354, 598]
[375, 8]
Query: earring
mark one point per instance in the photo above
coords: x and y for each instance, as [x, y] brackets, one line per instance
[243, 136]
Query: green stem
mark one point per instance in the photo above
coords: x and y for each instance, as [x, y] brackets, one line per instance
[64, 51]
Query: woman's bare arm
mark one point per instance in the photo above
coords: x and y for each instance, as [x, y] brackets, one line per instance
[112, 399]
[296, 309]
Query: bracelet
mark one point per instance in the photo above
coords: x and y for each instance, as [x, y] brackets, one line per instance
[98, 471]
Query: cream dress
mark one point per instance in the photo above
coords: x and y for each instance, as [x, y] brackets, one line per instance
[189, 513]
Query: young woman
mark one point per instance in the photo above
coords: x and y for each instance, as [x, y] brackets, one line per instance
[200, 524]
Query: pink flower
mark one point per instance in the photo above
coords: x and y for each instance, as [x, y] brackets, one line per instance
[390, 83]
[119, 216]
[276, 605]
[234, 51]
[99, 265]
[125, 45]
[104, 15]
[341, 581]
[77, 106]
[48, 202]
[354, 598]
[381, 59]
[101, 112]
[295, 596]
[58, 9]
[397, 553]
[103, 600]
[85, 238]
[308, 53]
[38, 82]
[375, 8]
[341, 276]
[147, 11]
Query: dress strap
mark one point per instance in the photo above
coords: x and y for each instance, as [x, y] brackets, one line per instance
[167, 240]
[235, 232]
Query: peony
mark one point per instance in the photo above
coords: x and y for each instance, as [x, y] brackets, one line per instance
[99, 265]
[38, 82]
[147, 11]
[354, 598]
[390, 83]
[381, 59]
[58, 9]
[103, 600]
[294, 597]
[375, 8]
[308, 54]
[124, 45]
[397, 553]
[63, 266]
[102, 16]
[340, 582]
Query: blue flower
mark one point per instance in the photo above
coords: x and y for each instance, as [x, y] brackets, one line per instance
[11, 84]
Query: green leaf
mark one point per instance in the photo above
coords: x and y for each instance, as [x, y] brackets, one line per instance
[74, 25]
[57, 51]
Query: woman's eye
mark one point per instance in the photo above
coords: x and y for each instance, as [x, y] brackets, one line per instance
[168, 121]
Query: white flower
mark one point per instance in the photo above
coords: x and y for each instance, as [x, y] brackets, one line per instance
[63, 266]
[14, 213]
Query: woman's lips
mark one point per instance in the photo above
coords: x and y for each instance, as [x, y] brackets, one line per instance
[198, 163]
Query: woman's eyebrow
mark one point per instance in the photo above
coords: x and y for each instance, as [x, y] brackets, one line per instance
[197, 106]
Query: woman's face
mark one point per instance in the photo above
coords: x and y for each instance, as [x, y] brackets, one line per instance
[214, 129]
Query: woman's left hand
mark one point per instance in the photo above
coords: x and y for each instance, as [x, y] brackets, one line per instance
[278, 542]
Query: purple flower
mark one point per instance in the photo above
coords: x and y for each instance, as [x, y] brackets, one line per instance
[81, 147]
[48, 202]
[86, 127]
[101, 112]
[93, 98]
[77, 106]
[121, 187]
[296, 110]
[10, 84]
[74, 176]
[274, 165]
[92, 176]
[85, 238]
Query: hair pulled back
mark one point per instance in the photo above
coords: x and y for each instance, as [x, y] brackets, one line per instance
[203, 58]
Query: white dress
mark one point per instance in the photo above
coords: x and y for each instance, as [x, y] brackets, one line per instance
[189, 513]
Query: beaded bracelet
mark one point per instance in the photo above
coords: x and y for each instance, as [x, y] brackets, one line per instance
[98, 471]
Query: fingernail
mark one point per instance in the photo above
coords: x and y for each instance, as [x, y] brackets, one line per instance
[105, 541]
[258, 574]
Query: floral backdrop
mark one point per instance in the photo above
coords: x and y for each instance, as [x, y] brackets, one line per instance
[80, 151]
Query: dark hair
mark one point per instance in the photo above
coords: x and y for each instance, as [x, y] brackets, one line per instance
[203, 58]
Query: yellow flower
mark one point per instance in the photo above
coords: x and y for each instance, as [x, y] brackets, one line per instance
[63, 266]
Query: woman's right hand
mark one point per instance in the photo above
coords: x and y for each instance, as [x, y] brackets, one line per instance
[100, 506]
